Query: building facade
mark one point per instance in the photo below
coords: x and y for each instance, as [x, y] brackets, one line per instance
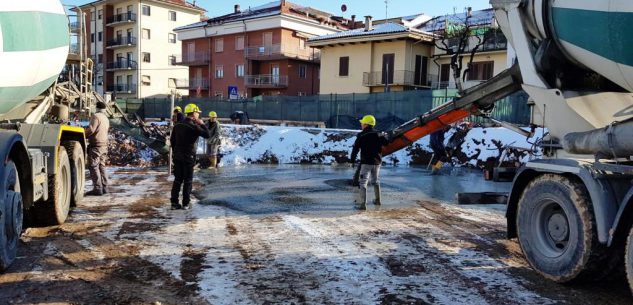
[490, 59]
[258, 51]
[381, 57]
[133, 44]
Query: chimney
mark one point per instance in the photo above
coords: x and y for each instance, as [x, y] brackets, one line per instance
[369, 24]
[236, 8]
[353, 22]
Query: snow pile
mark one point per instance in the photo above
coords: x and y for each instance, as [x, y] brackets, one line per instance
[252, 144]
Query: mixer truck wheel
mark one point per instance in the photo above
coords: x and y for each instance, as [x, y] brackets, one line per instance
[55, 210]
[557, 231]
[77, 171]
[628, 262]
[10, 215]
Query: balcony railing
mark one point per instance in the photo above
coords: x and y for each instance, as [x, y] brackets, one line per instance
[192, 84]
[122, 64]
[194, 59]
[122, 88]
[494, 43]
[74, 26]
[266, 81]
[128, 17]
[279, 51]
[398, 78]
[121, 42]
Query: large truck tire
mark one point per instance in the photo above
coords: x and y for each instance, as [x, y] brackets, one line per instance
[77, 171]
[628, 262]
[557, 231]
[10, 216]
[55, 210]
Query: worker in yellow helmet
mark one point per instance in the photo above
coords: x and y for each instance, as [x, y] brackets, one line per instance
[177, 115]
[369, 143]
[214, 141]
[183, 140]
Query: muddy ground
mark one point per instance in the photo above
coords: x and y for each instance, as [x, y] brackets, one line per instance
[264, 235]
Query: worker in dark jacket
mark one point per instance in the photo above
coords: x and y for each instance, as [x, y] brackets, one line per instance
[213, 142]
[183, 140]
[177, 116]
[369, 142]
[440, 154]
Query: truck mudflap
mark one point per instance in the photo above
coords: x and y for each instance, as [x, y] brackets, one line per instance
[600, 188]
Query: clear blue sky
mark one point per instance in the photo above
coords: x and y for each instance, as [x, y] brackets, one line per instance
[359, 8]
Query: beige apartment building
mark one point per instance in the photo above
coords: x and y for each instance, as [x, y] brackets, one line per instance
[375, 58]
[133, 45]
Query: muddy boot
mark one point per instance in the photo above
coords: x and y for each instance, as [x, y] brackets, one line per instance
[214, 162]
[361, 199]
[377, 195]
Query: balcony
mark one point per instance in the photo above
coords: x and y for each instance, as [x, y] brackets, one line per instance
[121, 42]
[281, 51]
[192, 84]
[122, 64]
[74, 26]
[266, 81]
[122, 18]
[122, 88]
[399, 78]
[195, 59]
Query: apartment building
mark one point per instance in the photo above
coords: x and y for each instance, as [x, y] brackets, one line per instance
[386, 56]
[133, 45]
[492, 56]
[257, 51]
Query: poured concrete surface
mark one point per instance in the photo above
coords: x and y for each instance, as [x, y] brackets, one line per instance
[290, 235]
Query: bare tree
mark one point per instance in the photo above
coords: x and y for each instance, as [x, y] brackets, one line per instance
[460, 38]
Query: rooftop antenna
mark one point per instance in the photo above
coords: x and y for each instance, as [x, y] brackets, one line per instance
[386, 9]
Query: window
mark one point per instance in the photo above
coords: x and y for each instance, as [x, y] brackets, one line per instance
[171, 60]
[480, 71]
[268, 39]
[421, 69]
[129, 9]
[239, 43]
[171, 15]
[100, 36]
[99, 58]
[171, 38]
[92, 37]
[302, 44]
[146, 10]
[219, 45]
[219, 94]
[146, 57]
[239, 70]
[343, 66]
[146, 80]
[219, 71]
[99, 14]
[146, 34]
[302, 71]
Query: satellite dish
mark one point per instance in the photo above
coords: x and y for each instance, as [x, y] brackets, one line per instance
[344, 8]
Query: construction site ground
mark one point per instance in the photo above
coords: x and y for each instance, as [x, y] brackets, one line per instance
[285, 234]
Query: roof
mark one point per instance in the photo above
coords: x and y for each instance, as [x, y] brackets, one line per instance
[266, 10]
[379, 29]
[181, 3]
[479, 18]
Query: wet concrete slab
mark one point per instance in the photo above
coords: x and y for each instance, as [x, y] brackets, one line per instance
[313, 189]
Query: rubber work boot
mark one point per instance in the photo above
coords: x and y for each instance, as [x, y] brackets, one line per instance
[95, 192]
[377, 195]
[186, 206]
[362, 198]
[437, 167]
[214, 161]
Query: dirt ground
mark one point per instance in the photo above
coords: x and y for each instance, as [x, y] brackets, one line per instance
[304, 247]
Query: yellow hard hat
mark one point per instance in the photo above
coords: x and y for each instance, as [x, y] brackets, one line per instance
[368, 120]
[212, 114]
[178, 109]
[190, 108]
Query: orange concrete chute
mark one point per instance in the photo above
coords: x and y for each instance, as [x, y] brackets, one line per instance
[410, 136]
[483, 96]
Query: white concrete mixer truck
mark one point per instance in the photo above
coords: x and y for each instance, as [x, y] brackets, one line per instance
[44, 77]
[572, 210]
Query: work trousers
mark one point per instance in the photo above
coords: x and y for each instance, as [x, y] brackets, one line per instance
[369, 174]
[183, 177]
[97, 157]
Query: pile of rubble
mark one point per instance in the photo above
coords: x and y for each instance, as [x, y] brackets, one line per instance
[125, 151]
